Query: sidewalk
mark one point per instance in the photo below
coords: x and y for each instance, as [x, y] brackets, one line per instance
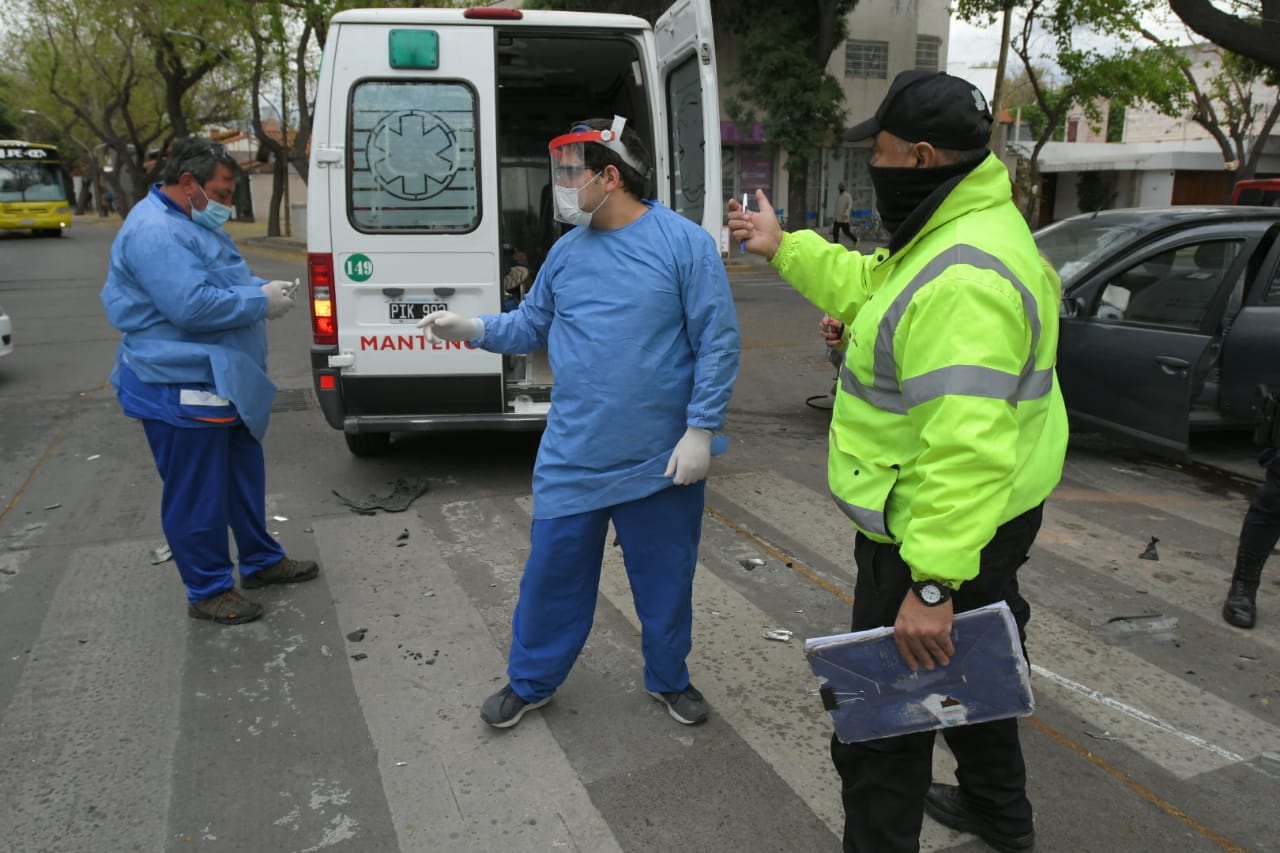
[255, 234]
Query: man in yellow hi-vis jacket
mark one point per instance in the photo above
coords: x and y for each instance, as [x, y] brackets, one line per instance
[949, 432]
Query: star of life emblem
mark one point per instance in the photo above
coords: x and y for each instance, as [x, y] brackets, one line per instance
[413, 155]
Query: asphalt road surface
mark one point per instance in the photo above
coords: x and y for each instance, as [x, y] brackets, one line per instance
[126, 726]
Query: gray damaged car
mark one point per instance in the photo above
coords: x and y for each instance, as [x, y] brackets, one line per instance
[1170, 318]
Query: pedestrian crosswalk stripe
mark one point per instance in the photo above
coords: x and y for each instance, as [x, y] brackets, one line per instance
[1191, 715]
[1175, 578]
[71, 737]
[448, 784]
[764, 690]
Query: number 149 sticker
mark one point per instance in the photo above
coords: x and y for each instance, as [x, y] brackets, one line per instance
[358, 267]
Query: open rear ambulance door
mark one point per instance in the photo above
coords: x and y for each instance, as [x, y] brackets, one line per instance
[690, 102]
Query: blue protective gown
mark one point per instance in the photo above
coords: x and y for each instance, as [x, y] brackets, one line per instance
[192, 366]
[641, 333]
[193, 317]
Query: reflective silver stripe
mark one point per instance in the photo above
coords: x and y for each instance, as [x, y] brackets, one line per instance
[964, 379]
[1035, 385]
[868, 519]
[887, 400]
[884, 392]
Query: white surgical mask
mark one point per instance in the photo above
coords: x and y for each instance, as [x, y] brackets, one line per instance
[569, 204]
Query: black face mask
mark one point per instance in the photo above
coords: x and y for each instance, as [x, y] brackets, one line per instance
[900, 190]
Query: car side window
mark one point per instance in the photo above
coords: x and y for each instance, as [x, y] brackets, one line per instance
[1272, 296]
[1172, 289]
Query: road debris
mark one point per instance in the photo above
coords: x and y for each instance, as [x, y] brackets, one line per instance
[1150, 553]
[781, 635]
[93, 457]
[403, 536]
[1101, 735]
[279, 518]
[751, 563]
[359, 656]
[53, 506]
[402, 764]
[357, 635]
[163, 554]
[398, 499]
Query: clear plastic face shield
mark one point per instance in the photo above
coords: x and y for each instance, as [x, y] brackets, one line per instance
[570, 175]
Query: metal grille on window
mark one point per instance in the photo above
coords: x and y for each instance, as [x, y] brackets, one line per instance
[927, 50]
[864, 58]
[414, 154]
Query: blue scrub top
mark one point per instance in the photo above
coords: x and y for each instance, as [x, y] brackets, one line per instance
[194, 320]
[642, 337]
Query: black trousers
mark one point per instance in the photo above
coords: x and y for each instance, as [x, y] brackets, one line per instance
[1261, 528]
[883, 782]
[837, 227]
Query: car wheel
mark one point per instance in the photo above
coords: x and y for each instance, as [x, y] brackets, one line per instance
[368, 443]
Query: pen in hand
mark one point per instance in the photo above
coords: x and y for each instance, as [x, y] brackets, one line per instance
[742, 244]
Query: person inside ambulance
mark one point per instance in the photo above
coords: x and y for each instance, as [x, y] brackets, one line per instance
[192, 366]
[633, 307]
[948, 433]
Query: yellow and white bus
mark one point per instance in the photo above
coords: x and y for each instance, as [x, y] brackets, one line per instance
[35, 189]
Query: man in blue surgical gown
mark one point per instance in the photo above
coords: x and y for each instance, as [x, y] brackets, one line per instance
[192, 366]
[634, 310]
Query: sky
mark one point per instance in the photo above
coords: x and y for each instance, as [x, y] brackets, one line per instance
[970, 47]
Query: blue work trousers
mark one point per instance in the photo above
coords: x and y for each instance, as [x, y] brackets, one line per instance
[659, 536]
[215, 478]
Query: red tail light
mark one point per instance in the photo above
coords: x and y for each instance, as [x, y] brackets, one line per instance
[324, 311]
[492, 13]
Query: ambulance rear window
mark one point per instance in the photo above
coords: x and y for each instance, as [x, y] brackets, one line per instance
[413, 145]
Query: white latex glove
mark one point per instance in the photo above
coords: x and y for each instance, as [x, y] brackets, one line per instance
[278, 300]
[443, 326]
[691, 459]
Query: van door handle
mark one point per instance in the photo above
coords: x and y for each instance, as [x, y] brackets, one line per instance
[1172, 365]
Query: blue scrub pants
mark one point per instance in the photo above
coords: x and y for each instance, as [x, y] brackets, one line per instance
[659, 536]
[214, 478]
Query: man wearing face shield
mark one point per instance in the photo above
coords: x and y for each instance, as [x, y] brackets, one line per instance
[633, 307]
[947, 435]
[192, 366]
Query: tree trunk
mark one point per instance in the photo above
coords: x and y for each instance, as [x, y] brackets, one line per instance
[1258, 41]
[797, 194]
[1002, 64]
[1250, 166]
[279, 174]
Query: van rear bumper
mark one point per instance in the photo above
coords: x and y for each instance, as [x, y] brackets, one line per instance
[370, 404]
[443, 423]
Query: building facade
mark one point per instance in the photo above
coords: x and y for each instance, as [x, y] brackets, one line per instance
[885, 37]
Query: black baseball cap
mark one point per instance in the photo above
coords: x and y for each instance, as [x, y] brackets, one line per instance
[933, 107]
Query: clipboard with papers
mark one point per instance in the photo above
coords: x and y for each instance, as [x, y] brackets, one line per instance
[870, 693]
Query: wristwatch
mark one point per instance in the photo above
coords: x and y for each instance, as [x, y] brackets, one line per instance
[931, 593]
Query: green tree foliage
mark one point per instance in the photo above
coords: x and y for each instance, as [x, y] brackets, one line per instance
[112, 72]
[1231, 96]
[1092, 79]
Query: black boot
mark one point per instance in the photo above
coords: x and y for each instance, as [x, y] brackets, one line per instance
[1241, 607]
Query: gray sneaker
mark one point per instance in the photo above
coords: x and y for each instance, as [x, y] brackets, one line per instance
[686, 707]
[504, 709]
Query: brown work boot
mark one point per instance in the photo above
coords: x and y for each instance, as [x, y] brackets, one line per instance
[226, 608]
[285, 571]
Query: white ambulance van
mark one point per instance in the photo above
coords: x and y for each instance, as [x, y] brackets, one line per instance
[430, 180]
